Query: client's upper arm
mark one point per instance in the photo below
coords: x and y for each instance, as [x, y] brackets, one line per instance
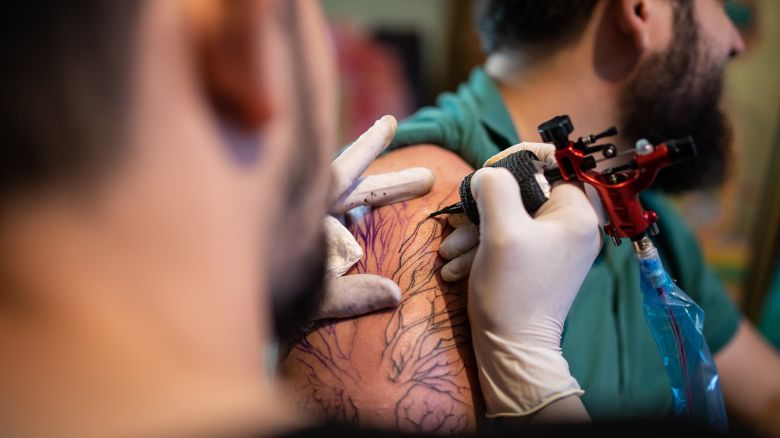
[410, 368]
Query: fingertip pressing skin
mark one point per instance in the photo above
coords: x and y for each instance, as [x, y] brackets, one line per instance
[389, 293]
[458, 268]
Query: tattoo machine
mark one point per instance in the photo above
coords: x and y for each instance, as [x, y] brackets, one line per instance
[674, 319]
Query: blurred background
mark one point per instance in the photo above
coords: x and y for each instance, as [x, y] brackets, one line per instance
[398, 56]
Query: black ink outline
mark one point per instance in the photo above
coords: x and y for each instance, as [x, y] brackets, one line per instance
[424, 355]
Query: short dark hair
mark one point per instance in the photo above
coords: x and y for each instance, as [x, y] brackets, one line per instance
[531, 24]
[65, 82]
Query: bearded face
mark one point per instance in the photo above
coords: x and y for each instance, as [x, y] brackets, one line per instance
[676, 94]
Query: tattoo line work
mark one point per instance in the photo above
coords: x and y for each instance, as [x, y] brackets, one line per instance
[423, 364]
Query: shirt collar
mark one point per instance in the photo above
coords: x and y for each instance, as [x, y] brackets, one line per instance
[495, 117]
[494, 114]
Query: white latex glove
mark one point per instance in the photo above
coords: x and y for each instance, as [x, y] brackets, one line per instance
[459, 246]
[352, 295]
[525, 275]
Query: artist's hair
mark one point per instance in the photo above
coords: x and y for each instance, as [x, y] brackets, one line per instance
[531, 24]
[64, 86]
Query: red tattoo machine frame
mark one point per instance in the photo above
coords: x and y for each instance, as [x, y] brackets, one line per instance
[618, 187]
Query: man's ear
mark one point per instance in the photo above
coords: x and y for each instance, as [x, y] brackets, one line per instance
[633, 22]
[228, 46]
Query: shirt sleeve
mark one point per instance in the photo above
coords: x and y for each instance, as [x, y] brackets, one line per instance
[687, 266]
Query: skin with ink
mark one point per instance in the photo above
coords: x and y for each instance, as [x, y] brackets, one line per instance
[411, 368]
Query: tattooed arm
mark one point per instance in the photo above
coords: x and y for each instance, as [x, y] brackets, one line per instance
[412, 368]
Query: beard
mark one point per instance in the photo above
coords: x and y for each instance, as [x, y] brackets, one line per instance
[296, 294]
[677, 94]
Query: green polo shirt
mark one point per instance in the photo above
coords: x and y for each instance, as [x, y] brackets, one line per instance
[770, 320]
[607, 342]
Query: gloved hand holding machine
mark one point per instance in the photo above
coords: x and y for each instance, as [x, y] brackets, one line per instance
[675, 321]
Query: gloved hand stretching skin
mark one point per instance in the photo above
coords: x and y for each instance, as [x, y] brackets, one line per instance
[352, 295]
[525, 275]
[459, 247]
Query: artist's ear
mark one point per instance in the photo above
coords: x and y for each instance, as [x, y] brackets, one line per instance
[228, 45]
[633, 20]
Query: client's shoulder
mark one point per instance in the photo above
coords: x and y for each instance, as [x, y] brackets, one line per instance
[410, 368]
[446, 164]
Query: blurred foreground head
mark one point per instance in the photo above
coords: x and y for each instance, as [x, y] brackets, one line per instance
[164, 168]
[663, 61]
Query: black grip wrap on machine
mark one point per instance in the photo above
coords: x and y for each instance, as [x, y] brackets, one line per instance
[521, 165]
